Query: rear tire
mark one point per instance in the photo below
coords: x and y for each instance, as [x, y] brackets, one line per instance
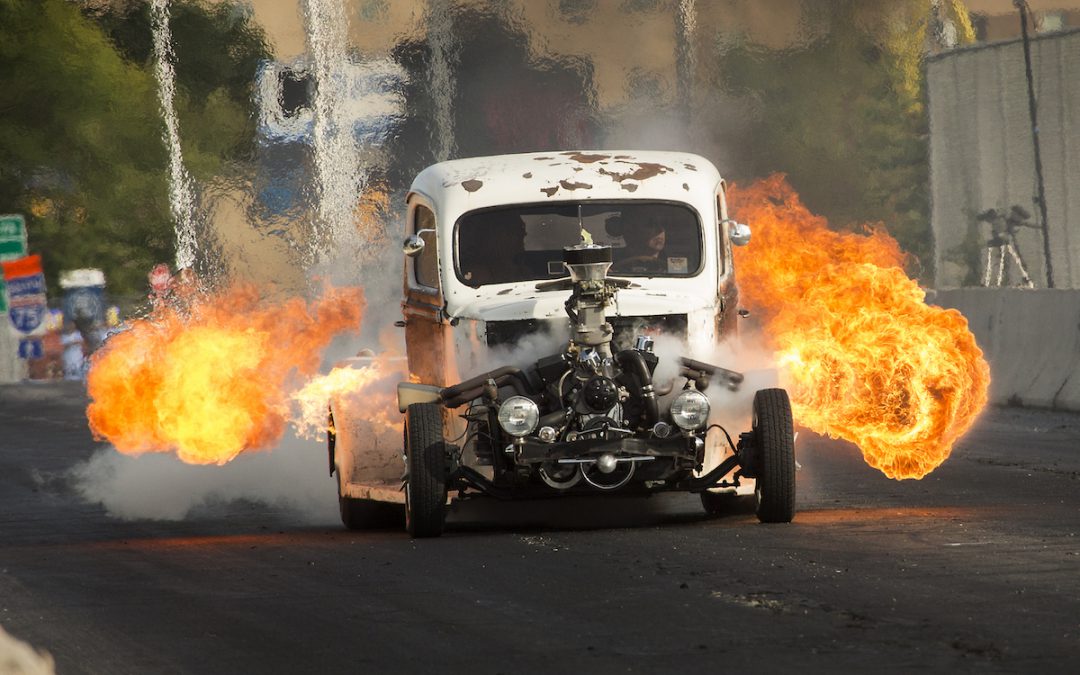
[725, 503]
[360, 514]
[716, 503]
[425, 487]
[774, 437]
[368, 514]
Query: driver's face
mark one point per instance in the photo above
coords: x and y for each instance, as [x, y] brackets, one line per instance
[657, 241]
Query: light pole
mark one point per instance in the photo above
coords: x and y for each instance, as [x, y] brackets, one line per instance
[1025, 12]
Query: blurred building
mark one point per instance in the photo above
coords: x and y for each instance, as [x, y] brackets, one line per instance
[997, 20]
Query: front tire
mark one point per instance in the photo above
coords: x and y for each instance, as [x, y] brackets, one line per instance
[425, 487]
[774, 437]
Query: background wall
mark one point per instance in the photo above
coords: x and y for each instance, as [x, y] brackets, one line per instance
[12, 368]
[981, 154]
[1031, 339]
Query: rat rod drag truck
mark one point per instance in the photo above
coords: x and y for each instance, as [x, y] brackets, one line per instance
[597, 255]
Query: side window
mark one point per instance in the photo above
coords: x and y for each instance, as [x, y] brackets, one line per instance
[427, 263]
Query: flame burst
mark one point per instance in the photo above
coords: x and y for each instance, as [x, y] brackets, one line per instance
[368, 392]
[210, 380]
[868, 360]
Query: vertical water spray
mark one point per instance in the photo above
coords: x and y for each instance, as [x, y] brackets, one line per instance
[337, 166]
[439, 36]
[181, 187]
[685, 61]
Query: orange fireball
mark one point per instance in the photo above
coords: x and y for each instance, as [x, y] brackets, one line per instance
[866, 358]
[210, 379]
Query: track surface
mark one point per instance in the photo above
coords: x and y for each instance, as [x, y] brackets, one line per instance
[976, 567]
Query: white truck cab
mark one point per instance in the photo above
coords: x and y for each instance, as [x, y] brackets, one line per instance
[493, 230]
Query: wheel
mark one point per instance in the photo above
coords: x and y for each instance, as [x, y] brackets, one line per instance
[360, 514]
[718, 503]
[368, 514]
[425, 487]
[774, 438]
[331, 441]
[726, 503]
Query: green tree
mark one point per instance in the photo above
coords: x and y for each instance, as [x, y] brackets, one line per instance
[843, 113]
[80, 150]
[218, 51]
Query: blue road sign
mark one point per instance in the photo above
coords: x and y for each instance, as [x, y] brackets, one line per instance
[30, 348]
[26, 293]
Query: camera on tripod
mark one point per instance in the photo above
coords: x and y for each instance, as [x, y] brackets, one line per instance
[1004, 224]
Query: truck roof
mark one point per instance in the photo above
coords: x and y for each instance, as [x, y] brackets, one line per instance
[465, 184]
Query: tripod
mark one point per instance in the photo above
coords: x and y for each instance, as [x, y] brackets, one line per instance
[1002, 245]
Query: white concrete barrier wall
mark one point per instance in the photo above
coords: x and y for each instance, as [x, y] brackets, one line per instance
[12, 368]
[1031, 339]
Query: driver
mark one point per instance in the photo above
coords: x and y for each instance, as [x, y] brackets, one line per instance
[645, 242]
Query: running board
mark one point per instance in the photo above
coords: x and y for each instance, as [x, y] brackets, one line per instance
[378, 493]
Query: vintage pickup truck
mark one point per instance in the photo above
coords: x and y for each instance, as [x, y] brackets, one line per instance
[536, 287]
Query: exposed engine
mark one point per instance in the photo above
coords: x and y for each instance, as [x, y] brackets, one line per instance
[589, 413]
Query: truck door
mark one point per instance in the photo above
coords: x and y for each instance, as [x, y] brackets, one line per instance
[727, 300]
[428, 339]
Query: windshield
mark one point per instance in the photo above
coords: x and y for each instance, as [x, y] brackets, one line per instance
[525, 242]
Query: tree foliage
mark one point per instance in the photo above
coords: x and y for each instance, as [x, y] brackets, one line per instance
[81, 151]
[843, 115]
[218, 51]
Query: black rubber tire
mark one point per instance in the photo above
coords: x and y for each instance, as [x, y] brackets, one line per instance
[361, 514]
[368, 514]
[331, 441]
[774, 438]
[425, 486]
[718, 503]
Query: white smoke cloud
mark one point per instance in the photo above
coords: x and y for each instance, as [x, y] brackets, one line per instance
[476, 357]
[157, 486]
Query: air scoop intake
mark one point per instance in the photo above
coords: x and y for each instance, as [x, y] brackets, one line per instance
[588, 266]
[587, 263]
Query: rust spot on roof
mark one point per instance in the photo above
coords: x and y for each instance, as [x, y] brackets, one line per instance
[623, 157]
[550, 192]
[542, 159]
[691, 167]
[585, 158]
[686, 187]
[527, 174]
[629, 187]
[567, 185]
[577, 168]
[472, 185]
[644, 171]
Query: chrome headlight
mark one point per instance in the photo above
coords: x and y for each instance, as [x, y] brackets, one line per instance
[518, 416]
[690, 410]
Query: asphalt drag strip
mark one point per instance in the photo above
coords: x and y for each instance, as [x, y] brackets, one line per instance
[976, 567]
